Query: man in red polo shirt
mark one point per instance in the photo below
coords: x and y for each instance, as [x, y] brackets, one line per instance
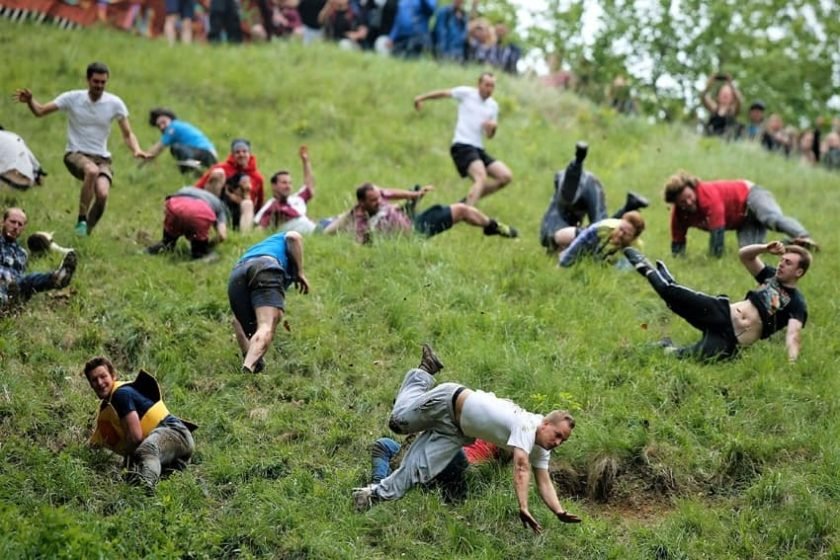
[716, 206]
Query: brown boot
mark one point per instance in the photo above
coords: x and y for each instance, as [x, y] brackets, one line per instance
[429, 361]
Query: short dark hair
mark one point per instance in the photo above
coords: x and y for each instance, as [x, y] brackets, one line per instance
[804, 256]
[97, 68]
[677, 184]
[281, 172]
[158, 112]
[486, 74]
[96, 362]
[362, 191]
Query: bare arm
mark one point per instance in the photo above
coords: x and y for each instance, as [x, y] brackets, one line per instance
[308, 177]
[155, 150]
[402, 194]
[793, 339]
[130, 139]
[521, 479]
[133, 432]
[294, 243]
[221, 232]
[326, 12]
[489, 128]
[750, 255]
[436, 94]
[341, 222]
[38, 109]
[706, 96]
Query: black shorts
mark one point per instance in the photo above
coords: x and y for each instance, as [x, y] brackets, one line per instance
[434, 220]
[464, 154]
[257, 282]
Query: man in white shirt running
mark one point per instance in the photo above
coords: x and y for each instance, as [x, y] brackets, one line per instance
[89, 116]
[478, 113]
[450, 416]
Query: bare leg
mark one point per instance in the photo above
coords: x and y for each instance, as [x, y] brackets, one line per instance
[464, 213]
[500, 175]
[216, 182]
[186, 31]
[563, 237]
[246, 215]
[478, 173]
[267, 320]
[169, 28]
[103, 185]
[88, 188]
[241, 338]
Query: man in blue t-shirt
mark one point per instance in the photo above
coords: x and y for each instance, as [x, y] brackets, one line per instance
[188, 145]
[774, 305]
[257, 289]
[134, 422]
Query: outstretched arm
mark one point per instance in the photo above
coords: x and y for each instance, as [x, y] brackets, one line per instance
[294, 243]
[308, 177]
[402, 194]
[38, 109]
[130, 139]
[436, 94]
[521, 479]
[750, 255]
[793, 339]
[549, 496]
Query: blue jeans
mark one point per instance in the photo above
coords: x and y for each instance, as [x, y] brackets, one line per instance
[35, 282]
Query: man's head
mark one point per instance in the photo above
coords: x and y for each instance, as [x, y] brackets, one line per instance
[281, 185]
[555, 428]
[161, 118]
[101, 375]
[630, 227]
[14, 220]
[369, 198]
[757, 112]
[240, 149]
[793, 264]
[236, 189]
[486, 84]
[97, 78]
[680, 190]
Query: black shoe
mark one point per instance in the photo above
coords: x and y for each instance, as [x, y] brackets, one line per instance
[65, 272]
[638, 260]
[259, 366]
[429, 361]
[665, 273]
[635, 202]
[161, 247]
[581, 149]
[498, 228]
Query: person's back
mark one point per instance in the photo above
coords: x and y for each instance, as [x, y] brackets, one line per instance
[450, 33]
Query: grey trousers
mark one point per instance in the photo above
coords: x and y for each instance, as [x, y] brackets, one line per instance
[763, 213]
[169, 446]
[421, 408]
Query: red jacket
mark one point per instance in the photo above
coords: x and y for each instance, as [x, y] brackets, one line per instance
[720, 204]
[230, 168]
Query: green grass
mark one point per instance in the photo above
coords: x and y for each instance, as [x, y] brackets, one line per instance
[670, 459]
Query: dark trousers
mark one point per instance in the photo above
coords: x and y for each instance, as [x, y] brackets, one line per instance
[224, 16]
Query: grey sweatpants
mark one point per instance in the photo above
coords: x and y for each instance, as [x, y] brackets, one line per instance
[763, 213]
[168, 445]
[421, 408]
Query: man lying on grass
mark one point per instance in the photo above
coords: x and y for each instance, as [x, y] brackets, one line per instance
[450, 416]
[774, 305]
[134, 422]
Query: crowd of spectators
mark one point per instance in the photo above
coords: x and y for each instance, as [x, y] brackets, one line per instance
[812, 145]
[401, 28]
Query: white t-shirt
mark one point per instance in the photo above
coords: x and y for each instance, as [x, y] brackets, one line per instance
[473, 111]
[89, 123]
[502, 422]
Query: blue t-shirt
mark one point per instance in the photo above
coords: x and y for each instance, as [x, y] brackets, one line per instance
[274, 246]
[180, 132]
[127, 399]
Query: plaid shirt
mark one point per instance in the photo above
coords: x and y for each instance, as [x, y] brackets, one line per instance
[12, 260]
[389, 219]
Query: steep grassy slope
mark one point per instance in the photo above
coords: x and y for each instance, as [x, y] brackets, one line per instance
[670, 459]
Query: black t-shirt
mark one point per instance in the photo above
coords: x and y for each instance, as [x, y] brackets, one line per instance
[776, 304]
[309, 10]
[127, 399]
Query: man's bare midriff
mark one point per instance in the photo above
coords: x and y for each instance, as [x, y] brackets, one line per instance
[459, 405]
[746, 322]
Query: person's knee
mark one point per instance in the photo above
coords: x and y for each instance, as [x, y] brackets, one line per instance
[503, 175]
[91, 171]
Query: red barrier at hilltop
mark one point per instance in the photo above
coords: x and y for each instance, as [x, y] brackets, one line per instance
[72, 13]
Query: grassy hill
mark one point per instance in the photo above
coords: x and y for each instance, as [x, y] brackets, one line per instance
[670, 459]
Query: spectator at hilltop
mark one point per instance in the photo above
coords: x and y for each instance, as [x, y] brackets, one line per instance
[724, 106]
[620, 96]
[378, 16]
[410, 33]
[755, 127]
[278, 18]
[830, 158]
[450, 31]
[775, 138]
[506, 53]
[309, 11]
[342, 23]
[224, 19]
[481, 41]
[179, 13]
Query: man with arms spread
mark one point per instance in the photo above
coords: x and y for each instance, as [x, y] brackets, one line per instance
[14, 281]
[578, 194]
[242, 163]
[374, 213]
[774, 305]
[450, 416]
[257, 293]
[188, 145]
[287, 211]
[716, 206]
[134, 422]
[89, 116]
[191, 212]
[477, 116]
[602, 240]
